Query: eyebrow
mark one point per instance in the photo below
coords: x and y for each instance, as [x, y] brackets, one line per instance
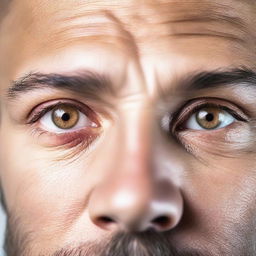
[222, 78]
[92, 84]
[85, 82]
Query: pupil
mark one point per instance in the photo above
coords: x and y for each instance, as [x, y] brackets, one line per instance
[65, 117]
[209, 117]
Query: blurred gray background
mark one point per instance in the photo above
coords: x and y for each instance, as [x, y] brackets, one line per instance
[2, 228]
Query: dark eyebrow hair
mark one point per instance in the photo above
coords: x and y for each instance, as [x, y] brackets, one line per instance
[221, 78]
[85, 82]
[92, 84]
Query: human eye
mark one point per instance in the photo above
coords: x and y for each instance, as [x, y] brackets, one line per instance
[211, 125]
[65, 118]
[207, 115]
[209, 118]
[63, 121]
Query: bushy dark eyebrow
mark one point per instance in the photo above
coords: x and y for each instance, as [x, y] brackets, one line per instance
[86, 82]
[221, 78]
[92, 84]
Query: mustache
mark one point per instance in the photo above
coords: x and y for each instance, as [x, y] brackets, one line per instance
[148, 243]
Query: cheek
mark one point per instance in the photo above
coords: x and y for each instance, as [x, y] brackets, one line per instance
[50, 194]
[45, 187]
[43, 192]
[220, 193]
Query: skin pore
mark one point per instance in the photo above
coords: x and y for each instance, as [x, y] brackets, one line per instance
[140, 167]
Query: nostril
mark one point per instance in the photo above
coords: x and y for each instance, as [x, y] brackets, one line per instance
[105, 222]
[105, 219]
[161, 221]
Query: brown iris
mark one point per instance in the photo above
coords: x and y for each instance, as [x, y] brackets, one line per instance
[209, 118]
[64, 116]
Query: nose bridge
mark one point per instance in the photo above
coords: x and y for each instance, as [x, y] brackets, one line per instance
[133, 143]
[134, 170]
[131, 196]
[137, 135]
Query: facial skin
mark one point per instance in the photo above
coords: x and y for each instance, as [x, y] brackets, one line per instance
[136, 174]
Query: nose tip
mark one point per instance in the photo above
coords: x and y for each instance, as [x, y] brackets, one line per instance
[138, 216]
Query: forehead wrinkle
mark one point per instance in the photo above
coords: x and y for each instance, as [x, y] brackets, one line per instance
[209, 19]
[93, 20]
[97, 26]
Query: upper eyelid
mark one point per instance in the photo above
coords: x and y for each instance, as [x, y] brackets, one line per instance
[211, 101]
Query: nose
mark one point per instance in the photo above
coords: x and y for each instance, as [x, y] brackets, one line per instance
[137, 189]
[134, 200]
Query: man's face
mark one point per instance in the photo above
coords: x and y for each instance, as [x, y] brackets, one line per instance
[128, 127]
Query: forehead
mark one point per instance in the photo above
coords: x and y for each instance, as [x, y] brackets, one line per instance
[165, 33]
[144, 20]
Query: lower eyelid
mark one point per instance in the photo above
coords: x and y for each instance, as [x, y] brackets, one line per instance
[49, 139]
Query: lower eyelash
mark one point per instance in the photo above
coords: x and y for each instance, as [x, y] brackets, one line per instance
[37, 132]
